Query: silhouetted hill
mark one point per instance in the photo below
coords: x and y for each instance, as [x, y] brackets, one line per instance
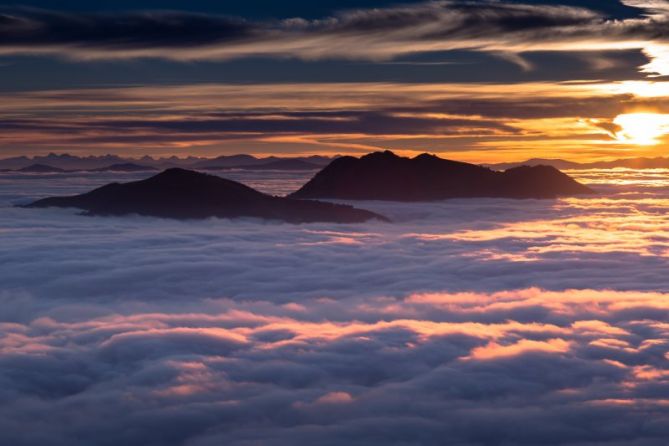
[386, 176]
[40, 168]
[281, 164]
[124, 167]
[184, 194]
[226, 161]
[557, 163]
[15, 163]
[629, 163]
[250, 162]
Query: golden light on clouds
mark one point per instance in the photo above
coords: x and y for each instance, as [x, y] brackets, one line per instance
[644, 129]
[479, 123]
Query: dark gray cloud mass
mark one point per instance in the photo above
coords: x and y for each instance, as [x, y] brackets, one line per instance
[36, 26]
[466, 322]
[346, 122]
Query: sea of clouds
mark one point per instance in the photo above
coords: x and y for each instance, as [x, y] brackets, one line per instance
[463, 322]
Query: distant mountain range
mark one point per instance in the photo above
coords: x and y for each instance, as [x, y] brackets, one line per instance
[185, 194]
[41, 168]
[629, 163]
[386, 176]
[280, 164]
[66, 162]
[54, 163]
[45, 168]
[125, 167]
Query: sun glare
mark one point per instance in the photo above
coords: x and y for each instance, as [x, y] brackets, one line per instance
[643, 129]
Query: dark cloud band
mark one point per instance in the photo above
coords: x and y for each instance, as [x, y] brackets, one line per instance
[372, 34]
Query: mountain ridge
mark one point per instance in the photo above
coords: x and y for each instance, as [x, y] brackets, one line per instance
[184, 194]
[387, 176]
[66, 161]
[629, 163]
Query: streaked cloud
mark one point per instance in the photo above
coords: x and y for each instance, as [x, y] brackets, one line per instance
[507, 29]
[472, 122]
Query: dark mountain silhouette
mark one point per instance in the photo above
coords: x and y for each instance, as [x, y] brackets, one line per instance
[386, 176]
[281, 164]
[184, 194]
[124, 167]
[270, 163]
[14, 163]
[91, 163]
[72, 162]
[629, 163]
[227, 161]
[41, 168]
[317, 160]
[557, 163]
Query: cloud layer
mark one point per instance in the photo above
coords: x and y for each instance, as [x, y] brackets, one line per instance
[373, 34]
[461, 121]
[425, 76]
[478, 321]
[570, 367]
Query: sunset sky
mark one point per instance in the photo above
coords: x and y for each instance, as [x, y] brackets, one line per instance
[474, 81]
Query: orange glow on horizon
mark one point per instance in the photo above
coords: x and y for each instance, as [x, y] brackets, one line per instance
[469, 135]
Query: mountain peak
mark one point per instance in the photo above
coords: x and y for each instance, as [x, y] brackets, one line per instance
[40, 168]
[426, 156]
[386, 154]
